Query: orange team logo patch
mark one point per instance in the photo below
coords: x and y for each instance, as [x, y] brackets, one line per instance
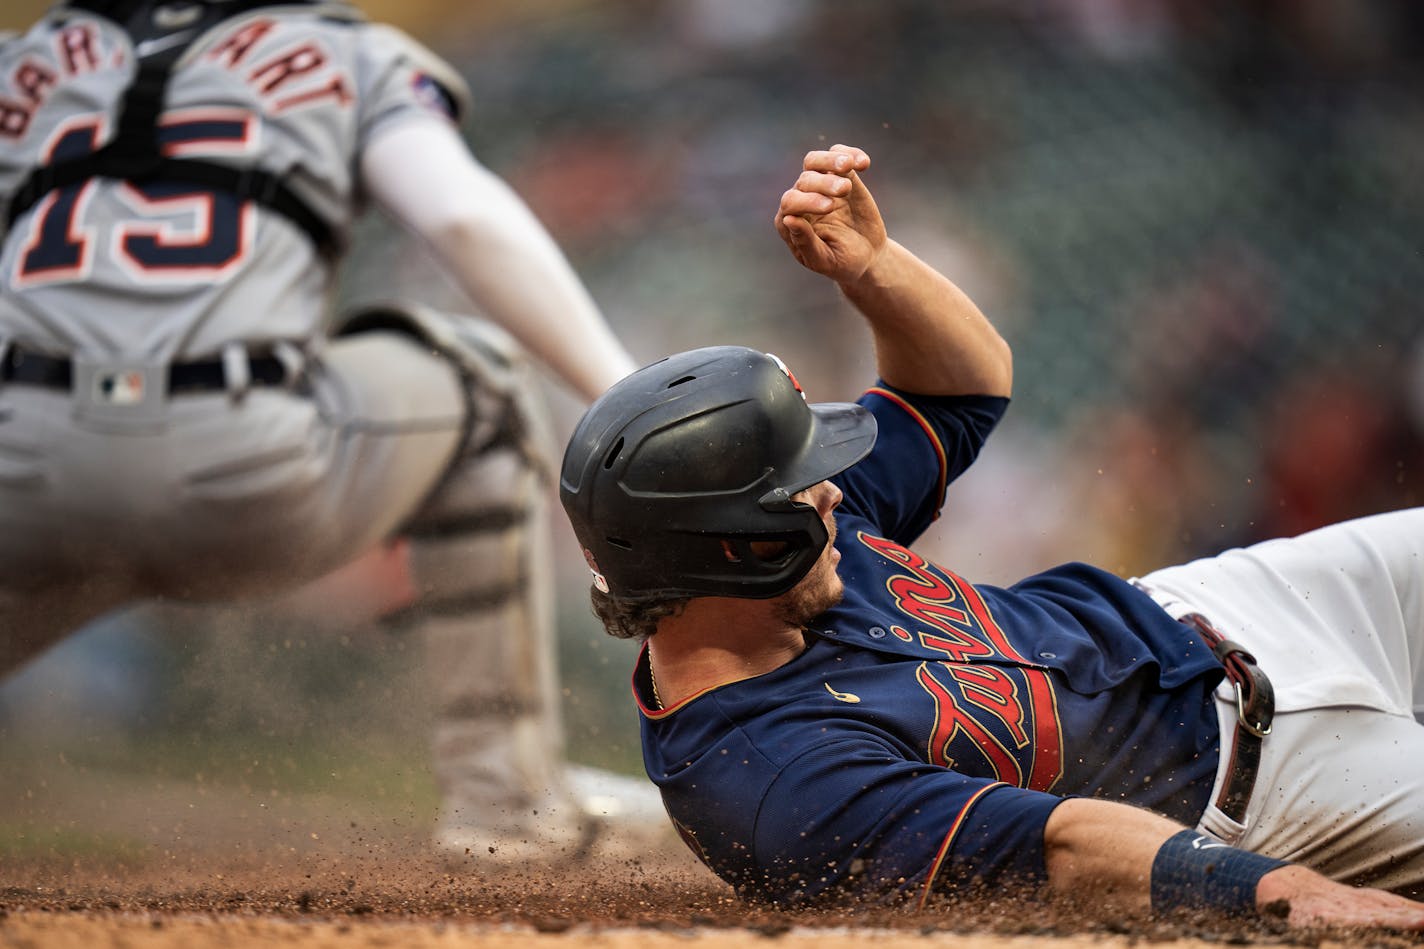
[598, 578]
[789, 374]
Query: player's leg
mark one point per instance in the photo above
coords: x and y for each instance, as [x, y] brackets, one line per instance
[233, 500]
[1339, 789]
[33, 619]
[56, 572]
[481, 564]
[1335, 618]
[284, 486]
[480, 558]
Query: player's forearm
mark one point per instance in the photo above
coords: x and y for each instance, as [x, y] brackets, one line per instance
[930, 338]
[1104, 848]
[509, 265]
[1127, 857]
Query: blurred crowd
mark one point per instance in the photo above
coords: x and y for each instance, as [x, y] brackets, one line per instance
[1199, 223]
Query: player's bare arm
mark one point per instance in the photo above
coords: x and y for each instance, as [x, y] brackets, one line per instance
[930, 337]
[1109, 850]
[496, 249]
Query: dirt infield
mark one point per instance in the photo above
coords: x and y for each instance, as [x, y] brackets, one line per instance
[85, 933]
[358, 900]
[88, 933]
[413, 902]
[92, 858]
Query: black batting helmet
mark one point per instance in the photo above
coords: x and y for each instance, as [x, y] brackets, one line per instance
[151, 19]
[700, 448]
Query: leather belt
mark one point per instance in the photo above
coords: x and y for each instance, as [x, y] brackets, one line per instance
[1255, 709]
[36, 369]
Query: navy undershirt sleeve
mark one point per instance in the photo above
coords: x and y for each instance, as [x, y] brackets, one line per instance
[924, 443]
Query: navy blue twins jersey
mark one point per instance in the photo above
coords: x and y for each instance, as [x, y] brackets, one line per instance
[931, 725]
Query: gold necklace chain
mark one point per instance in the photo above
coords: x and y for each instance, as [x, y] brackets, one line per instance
[653, 681]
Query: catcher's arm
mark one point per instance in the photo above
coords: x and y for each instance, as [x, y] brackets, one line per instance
[1136, 859]
[422, 174]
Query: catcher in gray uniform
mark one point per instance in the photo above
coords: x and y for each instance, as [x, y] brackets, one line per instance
[179, 416]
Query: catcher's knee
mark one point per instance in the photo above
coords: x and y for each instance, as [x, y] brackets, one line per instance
[503, 402]
[470, 542]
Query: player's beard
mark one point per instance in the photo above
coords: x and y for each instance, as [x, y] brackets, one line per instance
[818, 591]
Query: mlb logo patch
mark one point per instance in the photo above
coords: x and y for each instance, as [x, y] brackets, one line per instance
[432, 95]
[124, 387]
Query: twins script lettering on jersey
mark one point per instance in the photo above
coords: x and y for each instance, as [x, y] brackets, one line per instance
[1005, 712]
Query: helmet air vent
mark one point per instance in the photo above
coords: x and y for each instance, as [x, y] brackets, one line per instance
[612, 455]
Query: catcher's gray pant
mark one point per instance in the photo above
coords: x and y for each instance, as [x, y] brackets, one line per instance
[409, 422]
[480, 554]
[207, 496]
[1335, 618]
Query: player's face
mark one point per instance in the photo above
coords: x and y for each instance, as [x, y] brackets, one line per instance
[820, 589]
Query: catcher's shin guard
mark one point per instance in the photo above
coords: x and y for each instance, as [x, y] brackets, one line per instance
[480, 558]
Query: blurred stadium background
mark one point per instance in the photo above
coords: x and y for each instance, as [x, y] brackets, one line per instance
[1200, 224]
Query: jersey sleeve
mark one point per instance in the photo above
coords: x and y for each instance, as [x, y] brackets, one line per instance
[402, 80]
[924, 443]
[855, 816]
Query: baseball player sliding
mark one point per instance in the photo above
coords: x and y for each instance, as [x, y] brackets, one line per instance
[178, 420]
[830, 715]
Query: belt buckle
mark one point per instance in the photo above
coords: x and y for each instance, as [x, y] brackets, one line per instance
[132, 393]
[125, 386]
[1257, 728]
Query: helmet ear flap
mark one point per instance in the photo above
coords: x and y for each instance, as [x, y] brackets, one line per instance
[762, 552]
[790, 551]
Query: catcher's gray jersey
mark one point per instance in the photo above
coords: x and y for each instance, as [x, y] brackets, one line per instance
[173, 272]
[178, 419]
[173, 419]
